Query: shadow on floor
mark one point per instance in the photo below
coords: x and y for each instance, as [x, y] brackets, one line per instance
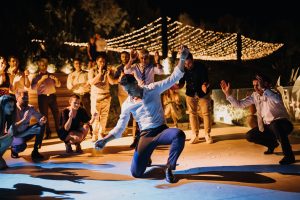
[74, 172]
[30, 191]
[262, 176]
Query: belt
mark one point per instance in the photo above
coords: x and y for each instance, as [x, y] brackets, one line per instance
[154, 130]
[47, 94]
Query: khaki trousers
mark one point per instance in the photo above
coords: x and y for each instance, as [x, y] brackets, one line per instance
[203, 107]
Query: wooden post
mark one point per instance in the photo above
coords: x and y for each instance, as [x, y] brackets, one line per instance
[239, 47]
[164, 32]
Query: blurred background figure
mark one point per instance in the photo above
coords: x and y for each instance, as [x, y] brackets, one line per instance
[19, 80]
[172, 106]
[100, 80]
[77, 82]
[4, 77]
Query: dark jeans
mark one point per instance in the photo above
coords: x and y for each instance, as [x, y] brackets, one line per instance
[46, 102]
[278, 130]
[19, 143]
[149, 140]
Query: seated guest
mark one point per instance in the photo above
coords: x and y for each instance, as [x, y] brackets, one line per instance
[25, 131]
[74, 124]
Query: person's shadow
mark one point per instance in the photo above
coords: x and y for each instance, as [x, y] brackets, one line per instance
[30, 191]
[241, 175]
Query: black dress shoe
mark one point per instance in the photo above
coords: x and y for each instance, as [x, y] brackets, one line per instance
[36, 155]
[149, 163]
[78, 148]
[271, 149]
[286, 160]
[69, 148]
[14, 155]
[170, 177]
[48, 136]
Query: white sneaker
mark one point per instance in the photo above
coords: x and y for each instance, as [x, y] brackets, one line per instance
[194, 139]
[208, 139]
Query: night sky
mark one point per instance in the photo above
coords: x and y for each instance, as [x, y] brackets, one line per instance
[257, 20]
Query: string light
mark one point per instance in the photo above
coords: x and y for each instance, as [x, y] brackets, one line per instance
[204, 45]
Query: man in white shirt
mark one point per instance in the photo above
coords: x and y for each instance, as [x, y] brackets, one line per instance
[272, 117]
[144, 102]
[144, 72]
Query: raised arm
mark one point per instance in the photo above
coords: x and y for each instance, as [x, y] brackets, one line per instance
[176, 75]
[133, 57]
[243, 103]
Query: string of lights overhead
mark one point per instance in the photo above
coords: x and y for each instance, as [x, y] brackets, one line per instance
[204, 45]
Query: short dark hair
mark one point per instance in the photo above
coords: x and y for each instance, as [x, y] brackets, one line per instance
[75, 96]
[102, 55]
[263, 76]
[76, 59]
[124, 52]
[190, 56]
[127, 79]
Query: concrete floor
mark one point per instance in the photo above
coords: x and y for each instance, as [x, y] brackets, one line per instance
[230, 168]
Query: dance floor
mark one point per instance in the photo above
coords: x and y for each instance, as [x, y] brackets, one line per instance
[230, 168]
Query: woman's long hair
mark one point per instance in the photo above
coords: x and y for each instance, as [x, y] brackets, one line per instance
[7, 120]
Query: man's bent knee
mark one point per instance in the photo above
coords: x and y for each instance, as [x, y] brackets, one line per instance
[136, 173]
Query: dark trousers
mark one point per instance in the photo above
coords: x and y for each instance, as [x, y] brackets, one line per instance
[149, 140]
[19, 144]
[277, 130]
[46, 102]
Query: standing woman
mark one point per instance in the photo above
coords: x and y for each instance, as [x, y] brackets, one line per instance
[4, 77]
[19, 80]
[7, 125]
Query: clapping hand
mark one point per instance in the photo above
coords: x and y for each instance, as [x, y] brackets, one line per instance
[26, 73]
[44, 77]
[72, 113]
[53, 77]
[27, 115]
[43, 120]
[205, 87]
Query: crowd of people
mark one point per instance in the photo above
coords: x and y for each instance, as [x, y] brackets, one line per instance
[148, 102]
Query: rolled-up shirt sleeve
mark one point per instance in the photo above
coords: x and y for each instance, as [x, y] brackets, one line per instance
[243, 103]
